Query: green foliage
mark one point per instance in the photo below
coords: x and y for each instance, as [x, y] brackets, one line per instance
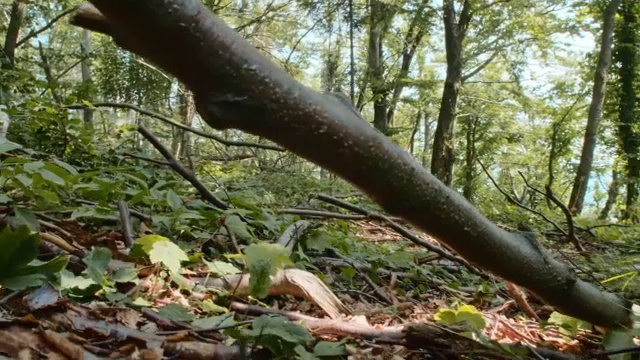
[19, 268]
[569, 326]
[464, 314]
[286, 339]
[160, 250]
[263, 261]
[47, 128]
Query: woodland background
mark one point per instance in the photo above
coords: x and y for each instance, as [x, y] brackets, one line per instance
[526, 108]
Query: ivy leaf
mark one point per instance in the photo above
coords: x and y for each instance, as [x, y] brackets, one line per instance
[169, 254]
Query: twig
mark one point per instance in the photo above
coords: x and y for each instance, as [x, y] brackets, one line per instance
[48, 25]
[177, 124]
[572, 231]
[519, 204]
[125, 220]
[182, 170]
[144, 158]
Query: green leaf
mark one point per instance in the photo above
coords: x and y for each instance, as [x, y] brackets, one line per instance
[97, 261]
[4, 199]
[143, 245]
[70, 169]
[221, 268]
[9, 146]
[51, 177]
[210, 307]
[19, 248]
[445, 316]
[303, 354]
[50, 267]
[175, 312]
[27, 218]
[214, 321]
[263, 261]
[174, 201]
[330, 348]
[238, 227]
[142, 302]
[33, 166]
[22, 282]
[69, 281]
[281, 328]
[169, 254]
[616, 339]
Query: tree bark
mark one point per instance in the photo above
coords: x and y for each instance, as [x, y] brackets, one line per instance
[235, 86]
[18, 12]
[627, 53]
[581, 181]
[87, 78]
[377, 81]
[614, 190]
[413, 38]
[443, 156]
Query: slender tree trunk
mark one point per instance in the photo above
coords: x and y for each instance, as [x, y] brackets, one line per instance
[87, 78]
[376, 66]
[614, 190]
[416, 126]
[181, 138]
[352, 56]
[443, 156]
[413, 38]
[581, 181]
[427, 141]
[48, 73]
[468, 189]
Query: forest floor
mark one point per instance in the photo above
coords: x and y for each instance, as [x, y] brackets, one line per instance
[134, 309]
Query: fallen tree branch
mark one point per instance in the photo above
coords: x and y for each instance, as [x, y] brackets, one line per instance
[236, 86]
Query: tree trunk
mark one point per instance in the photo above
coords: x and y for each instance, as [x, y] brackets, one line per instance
[614, 190]
[468, 189]
[18, 12]
[427, 141]
[443, 156]
[581, 181]
[413, 38]
[376, 66]
[87, 78]
[626, 55]
[181, 138]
